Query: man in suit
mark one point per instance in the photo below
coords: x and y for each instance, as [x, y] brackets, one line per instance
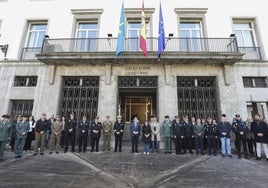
[135, 130]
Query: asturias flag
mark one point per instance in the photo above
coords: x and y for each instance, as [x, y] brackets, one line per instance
[161, 34]
[143, 45]
[121, 33]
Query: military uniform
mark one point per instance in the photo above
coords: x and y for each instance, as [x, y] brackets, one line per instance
[21, 128]
[107, 128]
[70, 134]
[167, 133]
[95, 134]
[188, 133]
[211, 133]
[240, 129]
[118, 133]
[178, 135]
[83, 128]
[4, 135]
[56, 128]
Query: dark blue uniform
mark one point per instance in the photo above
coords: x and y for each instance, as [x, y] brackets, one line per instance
[211, 133]
[95, 134]
[118, 133]
[178, 134]
[83, 128]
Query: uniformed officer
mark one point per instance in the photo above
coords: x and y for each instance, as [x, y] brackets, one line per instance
[21, 129]
[167, 133]
[211, 135]
[95, 134]
[240, 129]
[178, 134]
[83, 128]
[70, 132]
[5, 127]
[107, 129]
[56, 128]
[188, 133]
[118, 133]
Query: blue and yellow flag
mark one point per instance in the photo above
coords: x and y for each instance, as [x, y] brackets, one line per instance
[161, 34]
[121, 33]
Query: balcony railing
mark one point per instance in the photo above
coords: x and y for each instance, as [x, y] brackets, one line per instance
[224, 45]
[29, 52]
[251, 53]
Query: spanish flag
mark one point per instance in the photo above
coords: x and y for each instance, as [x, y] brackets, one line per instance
[143, 46]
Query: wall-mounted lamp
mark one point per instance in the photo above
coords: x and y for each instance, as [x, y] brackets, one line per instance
[4, 48]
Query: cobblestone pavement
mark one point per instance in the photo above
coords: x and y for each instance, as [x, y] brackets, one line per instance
[120, 170]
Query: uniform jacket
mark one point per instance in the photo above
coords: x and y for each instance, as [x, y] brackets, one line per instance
[83, 126]
[239, 126]
[145, 131]
[97, 126]
[41, 126]
[134, 128]
[210, 130]
[5, 132]
[199, 129]
[118, 128]
[188, 129]
[224, 127]
[22, 127]
[107, 127]
[155, 128]
[70, 124]
[56, 127]
[260, 127]
[167, 129]
[177, 129]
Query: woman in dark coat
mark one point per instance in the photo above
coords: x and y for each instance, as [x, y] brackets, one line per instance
[146, 137]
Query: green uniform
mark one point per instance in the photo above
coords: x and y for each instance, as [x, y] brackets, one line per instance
[167, 133]
[4, 135]
[21, 129]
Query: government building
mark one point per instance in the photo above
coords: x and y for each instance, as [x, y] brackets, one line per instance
[59, 56]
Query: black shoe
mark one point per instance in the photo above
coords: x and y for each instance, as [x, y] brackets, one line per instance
[34, 154]
[41, 153]
[191, 152]
[239, 157]
[115, 150]
[266, 159]
[65, 151]
[57, 152]
[230, 156]
[222, 155]
[50, 153]
[247, 157]
[202, 153]
[258, 158]
[92, 150]
[214, 154]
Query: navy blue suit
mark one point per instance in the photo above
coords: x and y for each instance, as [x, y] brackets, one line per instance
[135, 130]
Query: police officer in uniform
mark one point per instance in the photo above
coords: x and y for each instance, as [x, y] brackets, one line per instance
[118, 133]
[83, 128]
[211, 135]
[95, 134]
[21, 129]
[5, 127]
[240, 129]
[178, 134]
[70, 132]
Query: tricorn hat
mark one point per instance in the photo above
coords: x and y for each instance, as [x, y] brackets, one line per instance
[5, 116]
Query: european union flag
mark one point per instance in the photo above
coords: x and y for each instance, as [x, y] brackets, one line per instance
[161, 34]
[121, 33]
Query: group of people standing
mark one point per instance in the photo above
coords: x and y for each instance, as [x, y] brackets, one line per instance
[186, 135]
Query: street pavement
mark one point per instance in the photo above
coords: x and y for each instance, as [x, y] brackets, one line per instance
[128, 170]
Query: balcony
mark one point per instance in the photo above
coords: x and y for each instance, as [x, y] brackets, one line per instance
[251, 53]
[102, 50]
[30, 52]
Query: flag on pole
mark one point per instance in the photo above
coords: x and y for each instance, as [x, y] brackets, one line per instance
[161, 34]
[143, 45]
[121, 33]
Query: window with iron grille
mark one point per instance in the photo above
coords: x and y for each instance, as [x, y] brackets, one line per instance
[25, 81]
[255, 82]
[20, 107]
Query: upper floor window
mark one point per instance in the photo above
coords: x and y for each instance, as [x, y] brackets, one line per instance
[133, 34]
[25, 81]
[244, 32]
[36, 33]
[255, 82]
[86, 34]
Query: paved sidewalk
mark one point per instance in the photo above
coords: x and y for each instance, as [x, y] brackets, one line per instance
[120, 170]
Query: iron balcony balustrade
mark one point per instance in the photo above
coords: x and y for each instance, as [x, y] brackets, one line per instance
[30, 52]
[102, 50]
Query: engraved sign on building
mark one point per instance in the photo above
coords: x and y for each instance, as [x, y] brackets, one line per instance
[134, 70]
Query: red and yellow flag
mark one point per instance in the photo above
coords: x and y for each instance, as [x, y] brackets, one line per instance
[143, 45]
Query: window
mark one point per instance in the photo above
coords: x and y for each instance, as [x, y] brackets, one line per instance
[86, 34]
[133, 34]
[259, 82]
[25, 81]
[244, 32]
[20, 107]
[190, 33]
